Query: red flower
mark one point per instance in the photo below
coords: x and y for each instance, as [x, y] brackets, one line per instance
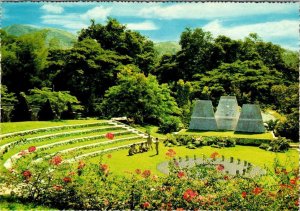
[170, 153]
[180, 174]
[214, 155]
[110, 136]
[189, 194]
[146, 173]
[244, 194]
[57, 187]
[284, 171]
[81, 164]
[31, 149]
[179, 209]
[285, 186]
[104, 168]
[220, 167]
[27, 174]
[56, 160]
[293, 181]
[67, 179]
[138, 171]
[257, 190]
[226, 177]
[72, 173]
[297, 202]
[146, 205]
[109, 156]
[22, 153]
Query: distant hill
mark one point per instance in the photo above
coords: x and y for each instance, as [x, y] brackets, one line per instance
[167, 47]
[63, 38]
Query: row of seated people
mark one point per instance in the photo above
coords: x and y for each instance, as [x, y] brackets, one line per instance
[138, 148]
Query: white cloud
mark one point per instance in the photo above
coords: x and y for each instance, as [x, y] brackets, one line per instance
[52, 8]
[284, 28]
[212, 10]
[146, 25]
[77, 21]
[268, 31]
[97, 13]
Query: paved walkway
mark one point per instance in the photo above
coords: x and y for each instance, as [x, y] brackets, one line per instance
[230, 168]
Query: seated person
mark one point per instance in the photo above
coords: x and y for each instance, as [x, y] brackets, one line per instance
[132, 150]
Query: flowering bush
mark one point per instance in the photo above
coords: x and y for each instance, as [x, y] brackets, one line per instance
[91, 186]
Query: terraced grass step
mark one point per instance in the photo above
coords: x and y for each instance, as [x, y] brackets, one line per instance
[57, 148]
[63, 133]
[105, 145]
[54, 128]
[77, 150]
[58, 135]
[99, 152]
[75, 141]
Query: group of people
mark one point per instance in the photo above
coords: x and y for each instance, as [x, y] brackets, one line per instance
[144, 146]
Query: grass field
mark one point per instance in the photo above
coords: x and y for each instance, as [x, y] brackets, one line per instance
[267, 135]
[120, 162]
[10, 127]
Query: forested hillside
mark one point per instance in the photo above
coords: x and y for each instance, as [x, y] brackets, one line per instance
[113, 71]
[54, 37]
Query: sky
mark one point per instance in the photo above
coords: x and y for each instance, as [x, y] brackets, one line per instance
[274, 22]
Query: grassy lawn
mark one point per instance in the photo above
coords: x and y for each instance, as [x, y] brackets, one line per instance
[121, 163]
[153, 130]
[275, 114]
[232, 134]
[9, 127]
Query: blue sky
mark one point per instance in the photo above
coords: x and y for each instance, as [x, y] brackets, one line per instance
[273, 22]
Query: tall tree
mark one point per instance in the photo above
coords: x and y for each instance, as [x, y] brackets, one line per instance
[21, 110]
[116, 37]
[23, 61]
[195, 50]
[139, 97]
[46, 113]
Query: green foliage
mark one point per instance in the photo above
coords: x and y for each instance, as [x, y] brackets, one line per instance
[280, 144]
[21, 110]
[69, 113]
[115, 37]
[289, 127]
[171, 124]
[46, 112]
[23, 60]
[140, 98]
[251, 142]
[58, 99]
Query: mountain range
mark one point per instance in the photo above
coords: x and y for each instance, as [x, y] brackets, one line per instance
[66, 39]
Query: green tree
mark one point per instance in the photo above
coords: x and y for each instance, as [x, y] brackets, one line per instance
[8, 99]
[115, 37]
[58, 100]
[87, 71]
[21, 111]
[46, 113]
[23, 61]
[139, 97]
[195, 50]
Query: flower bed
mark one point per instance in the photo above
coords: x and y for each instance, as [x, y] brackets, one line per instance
[62, 185]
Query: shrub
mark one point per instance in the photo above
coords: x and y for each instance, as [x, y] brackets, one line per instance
[46, 112]
[21, 111]
[69, 113]
[171, 124]
[279, 145]
[251, 142]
